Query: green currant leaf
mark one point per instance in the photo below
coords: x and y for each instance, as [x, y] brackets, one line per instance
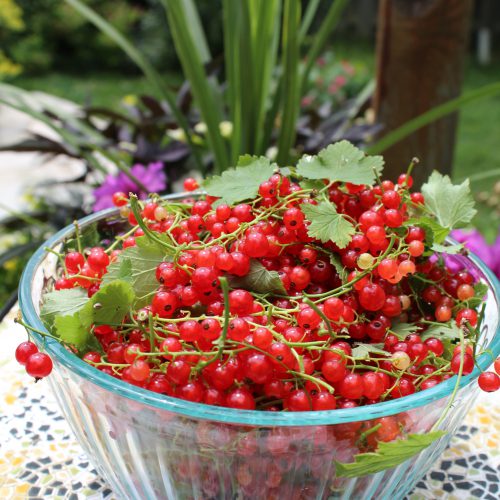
[312, 184]
[445, 331]
[363, 351]
[449, 249]
[480, 292]
[62, 303]
[109, 305]
[402, 330]
[71, 330]
[452, 205]
[137, 266]
[326, 224]
[336, 262]
[259, 280]
[341, 162]
[240, 183]
[388, 455]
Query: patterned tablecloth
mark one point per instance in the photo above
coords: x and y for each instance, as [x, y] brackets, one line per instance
[40, 458]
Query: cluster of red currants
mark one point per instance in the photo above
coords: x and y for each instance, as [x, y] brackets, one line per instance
[286, 333]
[37, 364]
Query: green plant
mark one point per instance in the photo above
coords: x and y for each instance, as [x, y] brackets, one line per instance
[264, 41]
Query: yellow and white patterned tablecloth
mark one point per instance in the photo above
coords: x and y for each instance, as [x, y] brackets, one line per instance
[40, 458]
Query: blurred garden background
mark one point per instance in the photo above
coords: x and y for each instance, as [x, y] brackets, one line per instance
[77, 111]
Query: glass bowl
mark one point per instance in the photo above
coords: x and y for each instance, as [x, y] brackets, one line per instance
[148, 445]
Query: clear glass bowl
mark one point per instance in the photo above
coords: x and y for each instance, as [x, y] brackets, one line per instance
[148, 445]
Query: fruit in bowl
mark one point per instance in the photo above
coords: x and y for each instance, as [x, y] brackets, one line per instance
[288, 331]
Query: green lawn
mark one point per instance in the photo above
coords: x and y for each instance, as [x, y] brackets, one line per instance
[99, 89]
[478, 135]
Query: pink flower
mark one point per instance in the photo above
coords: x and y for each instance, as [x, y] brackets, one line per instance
[475, 242]
[152, 177]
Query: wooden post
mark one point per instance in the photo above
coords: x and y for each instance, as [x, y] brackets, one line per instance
[421, 46]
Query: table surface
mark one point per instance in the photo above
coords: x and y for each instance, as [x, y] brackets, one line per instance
[40, 458]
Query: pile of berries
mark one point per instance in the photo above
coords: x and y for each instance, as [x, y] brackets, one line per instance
[252, 312]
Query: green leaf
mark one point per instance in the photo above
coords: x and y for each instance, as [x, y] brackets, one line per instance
[72, 330]
[452, 205]
[336, 262]
[62, 303]
[290, 91]
[109, 305]
[388, 455]
[137, 266]
[341, 162]
[446, 330]
[204, 89]
[434, 232]
[363, 351]
[258, 280]
[321, 36]
[312, 184]
[402, 330]
[154, 78]
[240, 183]
[449, 249]
[480, 289]
[328, 225]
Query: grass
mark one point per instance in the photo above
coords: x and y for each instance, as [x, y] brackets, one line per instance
[478, 138]
[99, 89]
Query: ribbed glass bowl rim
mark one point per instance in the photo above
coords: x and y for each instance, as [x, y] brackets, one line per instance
[221, 414]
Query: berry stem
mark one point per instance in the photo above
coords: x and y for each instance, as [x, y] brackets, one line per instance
[221, 341]
[457, 384]
[134, 205]
[78, 236]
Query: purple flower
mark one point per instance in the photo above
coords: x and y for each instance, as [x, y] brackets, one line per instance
[475, 242]
[495, 252]
[152, 177]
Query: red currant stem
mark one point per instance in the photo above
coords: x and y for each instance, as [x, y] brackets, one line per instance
[151, 331]
[270, 312]
[299, 360]
[457, 384]
[413, 163]
[477, 331]
[31, 329]
[88, 278]
[168, 332]
[267, 404]
[78, 236]
[364, 435]
[377, 177]
[255, 348]
[221, 341]
[113, 365]
[59, 256]
[173, 354]
[186, 317]
[320, 313]
[398, 378]
[341, 290]
[134, 205]
[371, 368]
[423, 378]
[318, 381]
[120, 239]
